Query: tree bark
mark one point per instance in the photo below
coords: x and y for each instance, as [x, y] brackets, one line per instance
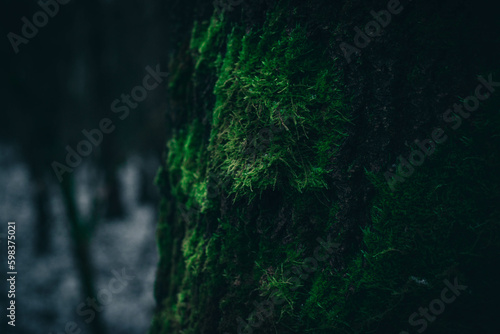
[297, 195]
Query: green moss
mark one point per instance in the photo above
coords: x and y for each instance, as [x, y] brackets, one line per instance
[186, 168]
[442, 220]
[256, 170]
[275, 87]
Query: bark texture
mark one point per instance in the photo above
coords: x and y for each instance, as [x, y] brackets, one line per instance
[278, 214]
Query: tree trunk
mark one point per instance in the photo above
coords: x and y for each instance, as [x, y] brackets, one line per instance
[314, 180]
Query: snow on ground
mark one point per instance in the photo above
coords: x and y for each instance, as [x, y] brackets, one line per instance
[48, 289]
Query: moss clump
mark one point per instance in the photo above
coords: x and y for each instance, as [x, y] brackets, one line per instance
[279, 94]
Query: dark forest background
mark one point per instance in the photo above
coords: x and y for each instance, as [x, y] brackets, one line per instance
[60, 83]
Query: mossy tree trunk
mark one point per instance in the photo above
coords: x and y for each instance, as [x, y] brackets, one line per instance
[277, 216]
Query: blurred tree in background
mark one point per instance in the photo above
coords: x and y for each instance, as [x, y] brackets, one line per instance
[62, 82]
